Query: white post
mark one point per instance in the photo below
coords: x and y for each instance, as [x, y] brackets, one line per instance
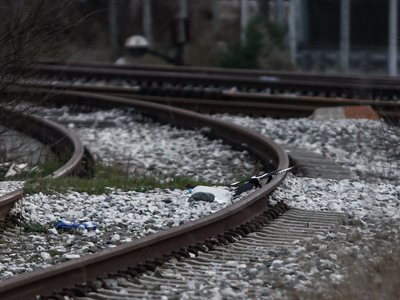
[392, 52]
[344, 35]
[292, 20]
[243, 21]
[147, 22]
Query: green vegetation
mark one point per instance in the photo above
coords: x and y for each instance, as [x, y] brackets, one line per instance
[54, 252]
[107, 178]
[245, 56]
[34, 227]
[2, 226]
[265, 48]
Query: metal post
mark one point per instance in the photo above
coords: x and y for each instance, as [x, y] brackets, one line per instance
[392, 52]
[181, 33]
[344, 35]
[183, 9]
[112, 16]
[243, 21]
[147, 21]
[292, 20]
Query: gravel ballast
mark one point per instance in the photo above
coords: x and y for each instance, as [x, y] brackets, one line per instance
[371, 202]
[7, 186]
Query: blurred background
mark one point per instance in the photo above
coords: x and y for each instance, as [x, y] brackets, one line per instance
[339, 36]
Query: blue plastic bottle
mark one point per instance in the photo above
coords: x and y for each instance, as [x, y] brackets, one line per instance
[89, 225]
[66, 225]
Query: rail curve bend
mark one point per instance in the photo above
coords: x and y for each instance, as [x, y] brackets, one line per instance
[61, 141]
[248, 210]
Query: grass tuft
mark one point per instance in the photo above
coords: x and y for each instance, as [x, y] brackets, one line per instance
[108, 178]
[32, 226]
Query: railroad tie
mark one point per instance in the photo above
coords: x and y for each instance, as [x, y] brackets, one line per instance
[185, 276]
[314, 165]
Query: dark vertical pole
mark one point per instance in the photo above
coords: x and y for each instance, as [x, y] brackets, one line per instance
[292, 25]
[393, 38]
[243, 21]
[181, 32]
[344, 35]
[147, 21]
[112, 17]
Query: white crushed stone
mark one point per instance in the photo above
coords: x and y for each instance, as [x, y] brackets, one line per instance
[365, 147]
[9, 186]
[162, 151]
[123, 216]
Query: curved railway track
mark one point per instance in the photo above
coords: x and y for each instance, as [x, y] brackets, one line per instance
[242, 216]
[255, 93]
[185, 88]
[182, 276]
[60, 140]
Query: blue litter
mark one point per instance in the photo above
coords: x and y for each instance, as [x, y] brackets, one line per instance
[66, 225]
[88, 225]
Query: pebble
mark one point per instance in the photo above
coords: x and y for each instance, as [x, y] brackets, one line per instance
[8, 186]
[202, 196]
[45, 256]
[366, 147]
[371, 202]
[161, 151]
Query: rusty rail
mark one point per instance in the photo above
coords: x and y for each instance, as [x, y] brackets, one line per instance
[60, 140]
[130, 254]
[7, 200]
[186, 87]
[233, 102]
[271, 74]
[361, 90]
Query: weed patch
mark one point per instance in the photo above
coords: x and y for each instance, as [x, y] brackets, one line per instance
[54, 252]
[108, 178]
[32, 226]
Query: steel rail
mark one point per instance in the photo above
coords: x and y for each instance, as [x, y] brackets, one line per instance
[252, 104]
[61, 141]
[354, 78]
[365, 90]
[7, 200]
[130, 254]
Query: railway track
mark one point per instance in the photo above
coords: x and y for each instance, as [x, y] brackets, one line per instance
[126, 267]
[60, 140]
[181, 276]
[271, 75]
[282, 96]
[241, 216]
